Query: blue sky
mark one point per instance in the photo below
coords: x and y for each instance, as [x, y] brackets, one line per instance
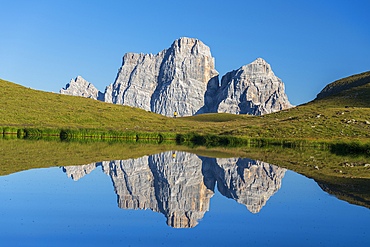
[44, 44]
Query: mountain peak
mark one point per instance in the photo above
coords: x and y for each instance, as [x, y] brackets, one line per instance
[253, 89]
[191, 46]
[183, 79]
[259, 61]
[81, 87]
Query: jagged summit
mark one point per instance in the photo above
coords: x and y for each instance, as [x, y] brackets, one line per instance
[252, 89]
[183, 79]
[81, 87]
[194, 46]
[259, 66]
[176, 79]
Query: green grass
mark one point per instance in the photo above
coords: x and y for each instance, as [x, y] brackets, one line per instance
[345, 83]
[326, 119]
[25, 107]
[214, 117]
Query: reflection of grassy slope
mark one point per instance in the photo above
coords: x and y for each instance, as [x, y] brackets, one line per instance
[345, 176]
[329, 118]
[18, 155]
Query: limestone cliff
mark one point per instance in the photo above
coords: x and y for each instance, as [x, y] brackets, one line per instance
[253, 89]
[179, 185]
[176, 79]
[183, 78]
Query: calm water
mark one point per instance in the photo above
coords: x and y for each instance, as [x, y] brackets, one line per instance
[175, 198]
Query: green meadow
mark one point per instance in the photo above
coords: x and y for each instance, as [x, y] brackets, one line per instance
[344, 116]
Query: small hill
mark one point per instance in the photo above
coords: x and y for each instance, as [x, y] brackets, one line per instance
[345, 84]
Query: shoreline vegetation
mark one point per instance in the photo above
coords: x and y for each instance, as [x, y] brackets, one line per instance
[343, 116]
[189, 139]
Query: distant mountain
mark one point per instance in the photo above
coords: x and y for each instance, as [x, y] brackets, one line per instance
[81, 87]
[183, 79]
[345, 84]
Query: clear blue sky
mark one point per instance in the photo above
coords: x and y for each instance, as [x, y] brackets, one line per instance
[43, 44]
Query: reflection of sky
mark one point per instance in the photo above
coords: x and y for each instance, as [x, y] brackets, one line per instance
[44, 207]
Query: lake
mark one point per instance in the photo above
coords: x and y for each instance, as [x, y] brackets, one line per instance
[175, 198]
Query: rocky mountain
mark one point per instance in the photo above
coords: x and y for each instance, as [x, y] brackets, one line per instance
[179, 185]
[81, 87]
[253, 89]
[183, 78]
[175, 79]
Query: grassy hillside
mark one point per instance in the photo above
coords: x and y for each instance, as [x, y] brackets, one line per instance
[20, 106]
[344, 84]
[343, 116]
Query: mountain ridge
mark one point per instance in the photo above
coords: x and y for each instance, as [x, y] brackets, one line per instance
[183, 79]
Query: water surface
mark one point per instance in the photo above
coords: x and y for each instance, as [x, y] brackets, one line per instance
[175, 198]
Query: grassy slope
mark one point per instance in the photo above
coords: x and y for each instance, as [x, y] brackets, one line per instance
[325, 118]
[20, 106]
[344, 84]
[322, 119]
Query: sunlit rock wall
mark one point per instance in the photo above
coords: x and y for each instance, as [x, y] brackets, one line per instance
[81, 87]
[183, 78]
[253, 89]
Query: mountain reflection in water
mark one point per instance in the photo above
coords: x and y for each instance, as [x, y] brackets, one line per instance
[180, 185]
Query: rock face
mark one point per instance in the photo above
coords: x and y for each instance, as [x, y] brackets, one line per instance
[179, 185]
[80, 87]
[175, 79]
[183, 78]
[253, 89]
